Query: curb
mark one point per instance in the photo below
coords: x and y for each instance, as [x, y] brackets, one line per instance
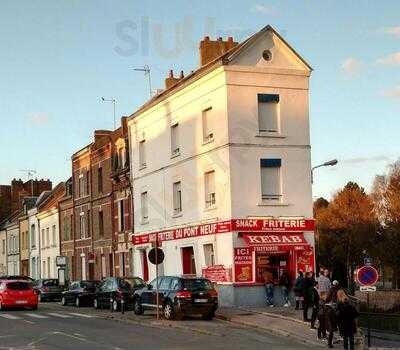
[270, 330]
[270, 314]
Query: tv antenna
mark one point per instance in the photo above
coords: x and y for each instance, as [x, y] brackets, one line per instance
[113, 101]
[29, 172]
[147, 72]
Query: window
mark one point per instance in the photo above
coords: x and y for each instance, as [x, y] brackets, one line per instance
[144, 206]
[100, 179]
[43, 268]
[270, 179]
[209, 254]
[175, 139]
[3, 249]
[209, 185]
[82, 225]
[268, 113]
[33, 236]
[121, 216]
[121, 157]
[67, 227]
[88, 231]
[82, 185]
[43, 240]
[47, 237]
[48, 267]
[87, 183]
[177, 197]
[208, 134]
[101, 224]
[54, 235]
[142, 154]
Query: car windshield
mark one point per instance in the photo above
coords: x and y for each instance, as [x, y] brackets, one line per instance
[50, 283]
[197, 284]
[89, 284]
[130, 283]
[18, 285]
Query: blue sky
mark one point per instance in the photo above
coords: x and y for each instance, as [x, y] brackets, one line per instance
[58, 58]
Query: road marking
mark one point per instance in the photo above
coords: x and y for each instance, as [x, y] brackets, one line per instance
[10, 317]
[37, 315]
[80, 315]
[58, 315]
[30, 322]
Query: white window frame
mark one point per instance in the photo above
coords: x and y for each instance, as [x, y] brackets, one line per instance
[144, 206]
[209, 193]
[211, 256]
[271, 197]
[142, 154]
[271, 107]
[175, 145]
[177, 197]
[208, 132]
[82, 225]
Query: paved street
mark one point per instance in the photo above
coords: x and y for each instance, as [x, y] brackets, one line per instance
[56, 327]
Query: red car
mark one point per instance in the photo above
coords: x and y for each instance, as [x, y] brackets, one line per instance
[17, 293]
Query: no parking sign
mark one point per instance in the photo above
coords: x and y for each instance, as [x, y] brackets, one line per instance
[367, 276]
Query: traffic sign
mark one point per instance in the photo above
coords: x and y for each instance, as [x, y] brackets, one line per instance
[367, 288]
[152, 256]
[368, 261]
[367, 276]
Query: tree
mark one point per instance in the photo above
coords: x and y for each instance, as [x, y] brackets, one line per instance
[347, 229]
[386, 199]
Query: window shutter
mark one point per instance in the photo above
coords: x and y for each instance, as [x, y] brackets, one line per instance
[270, 178]
[268, 112]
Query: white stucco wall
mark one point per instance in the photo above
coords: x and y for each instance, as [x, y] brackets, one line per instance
[34, 249]
[13, 256]
[3, 253]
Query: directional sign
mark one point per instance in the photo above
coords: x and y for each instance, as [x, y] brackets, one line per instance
[367, 288]
[367, 276]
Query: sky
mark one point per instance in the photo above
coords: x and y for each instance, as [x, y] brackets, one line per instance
[58, 58]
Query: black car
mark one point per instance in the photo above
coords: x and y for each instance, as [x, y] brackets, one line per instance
[48, 289]
[80, 293]
[115, 290]
[178, 296]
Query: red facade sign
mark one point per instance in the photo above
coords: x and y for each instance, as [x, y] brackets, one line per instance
[243, 261]
[217, 273]
[286, 239]
[243, 225]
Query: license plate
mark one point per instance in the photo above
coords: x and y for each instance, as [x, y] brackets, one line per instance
[200, 300]
[21, 302]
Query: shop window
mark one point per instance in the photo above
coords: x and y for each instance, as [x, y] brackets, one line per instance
[177, 197]
[175, 139]
[268, 113]
[209, 254]
[142, 154]
[188, 261]
[270, 179]
[144, 207]
[208, 132]
[209, 185]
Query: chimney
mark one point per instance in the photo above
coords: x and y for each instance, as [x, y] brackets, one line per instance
[210, 49]
[171, 80]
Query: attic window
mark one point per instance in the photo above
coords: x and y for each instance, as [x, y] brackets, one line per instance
[267, 55]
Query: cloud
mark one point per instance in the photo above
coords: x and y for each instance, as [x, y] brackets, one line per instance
[264, 9]
[351, 67]
[393, 92]
[362, 160]
[390, 60]
[38, 118]
[395, 31]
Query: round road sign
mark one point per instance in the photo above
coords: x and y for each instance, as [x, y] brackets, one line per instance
[367, 276]
[152, 256]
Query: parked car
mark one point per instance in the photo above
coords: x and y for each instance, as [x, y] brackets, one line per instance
[48, 289]
[117, 289]
[80, 293]
[178, 296]
[17, 293]
[26, 278]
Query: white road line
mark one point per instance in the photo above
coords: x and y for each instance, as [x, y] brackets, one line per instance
[10, 317]
[80, 315]
[37, 315]
[58, 315]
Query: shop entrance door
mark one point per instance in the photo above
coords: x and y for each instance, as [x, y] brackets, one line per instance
[188, 262]
[145, 266]
[271, 266]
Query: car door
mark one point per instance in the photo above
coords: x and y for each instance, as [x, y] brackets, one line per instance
[68, 294]
[164, 288]
[148, 294]
[101, 292]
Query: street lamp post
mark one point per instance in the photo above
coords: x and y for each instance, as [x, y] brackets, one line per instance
[114, 101]
[329, 163]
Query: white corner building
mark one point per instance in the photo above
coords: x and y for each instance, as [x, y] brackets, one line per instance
[220, 169]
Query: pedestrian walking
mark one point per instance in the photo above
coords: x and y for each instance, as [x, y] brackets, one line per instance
[284, 284]
[346, 314]
[324, 283]
[330, 322]
[299, 290]
[322, 317]
[332, 293]
[269, 288]
[315, 305]
[307, 293]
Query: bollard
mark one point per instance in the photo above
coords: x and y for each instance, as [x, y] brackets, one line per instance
[122, 306]
[111, 305]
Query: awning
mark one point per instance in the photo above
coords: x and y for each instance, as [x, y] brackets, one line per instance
[264, 242]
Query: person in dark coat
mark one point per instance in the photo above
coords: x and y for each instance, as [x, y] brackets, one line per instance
[284, 283]
[330, 322]
[321, 317]
[308, 295]
[315, 305]
[346, 314]
[299, 290]
[332, 293]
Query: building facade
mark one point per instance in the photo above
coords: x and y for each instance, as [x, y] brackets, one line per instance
[48, 223]
[3, 251]
[13, 251]
[220, 169]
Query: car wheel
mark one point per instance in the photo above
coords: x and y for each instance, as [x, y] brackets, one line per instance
[115, 305]
[208, 316]
[137, 307]
[96, 304]
[63, 301]
[77, 302]
[169, 312]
